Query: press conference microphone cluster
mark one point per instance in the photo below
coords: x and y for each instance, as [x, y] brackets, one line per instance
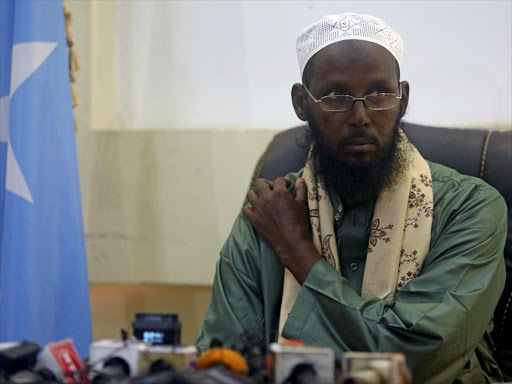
[155, 356]
[57, 363]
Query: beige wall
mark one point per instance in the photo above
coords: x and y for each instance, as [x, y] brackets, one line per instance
[157, 207]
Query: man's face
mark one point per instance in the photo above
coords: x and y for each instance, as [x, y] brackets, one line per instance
[358, 136]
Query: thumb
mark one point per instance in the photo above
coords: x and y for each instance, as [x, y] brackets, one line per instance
[302, 191]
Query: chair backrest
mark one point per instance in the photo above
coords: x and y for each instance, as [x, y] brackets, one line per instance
[481, 153]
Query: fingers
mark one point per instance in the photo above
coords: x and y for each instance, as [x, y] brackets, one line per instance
[302, 190]
[282, 183]
[248, 213]
[252, 197]
[262, 185]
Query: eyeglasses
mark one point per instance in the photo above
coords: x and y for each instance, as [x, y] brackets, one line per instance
[340, 103]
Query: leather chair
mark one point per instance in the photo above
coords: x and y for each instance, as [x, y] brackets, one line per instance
[481, 153]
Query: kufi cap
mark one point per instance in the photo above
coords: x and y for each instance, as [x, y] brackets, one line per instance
[347, 26]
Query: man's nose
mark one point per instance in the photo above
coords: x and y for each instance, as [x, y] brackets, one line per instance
[359, 114]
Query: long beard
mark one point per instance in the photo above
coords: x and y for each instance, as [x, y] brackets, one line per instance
[358, 183]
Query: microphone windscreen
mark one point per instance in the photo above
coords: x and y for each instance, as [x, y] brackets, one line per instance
[229, 358]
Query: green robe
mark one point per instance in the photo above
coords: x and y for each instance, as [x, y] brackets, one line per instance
[440, 320]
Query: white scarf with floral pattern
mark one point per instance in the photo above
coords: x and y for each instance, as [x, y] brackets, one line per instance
[399, 237]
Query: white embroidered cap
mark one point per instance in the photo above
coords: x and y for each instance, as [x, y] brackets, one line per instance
[347, 26]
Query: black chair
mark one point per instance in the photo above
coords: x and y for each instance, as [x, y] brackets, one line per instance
[481, 153]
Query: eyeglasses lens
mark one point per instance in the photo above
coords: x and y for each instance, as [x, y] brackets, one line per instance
[336, 103]
[380, 101]
[344, 103]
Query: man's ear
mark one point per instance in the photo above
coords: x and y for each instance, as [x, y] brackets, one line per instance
[299, 101]
[404, 102]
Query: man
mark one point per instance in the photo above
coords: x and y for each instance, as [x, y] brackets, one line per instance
[370, 247]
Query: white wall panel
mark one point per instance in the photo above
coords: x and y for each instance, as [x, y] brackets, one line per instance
[231, 64]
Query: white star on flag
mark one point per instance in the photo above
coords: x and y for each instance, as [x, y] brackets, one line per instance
[26, 59]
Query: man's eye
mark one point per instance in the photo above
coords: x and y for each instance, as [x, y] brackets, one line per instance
[333, 94]
[379, 90]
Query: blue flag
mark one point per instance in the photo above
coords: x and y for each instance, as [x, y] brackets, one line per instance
[44, 293]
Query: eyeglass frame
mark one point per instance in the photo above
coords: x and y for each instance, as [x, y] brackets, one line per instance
[354, 99]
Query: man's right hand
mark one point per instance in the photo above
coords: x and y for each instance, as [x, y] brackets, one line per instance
[283, 222]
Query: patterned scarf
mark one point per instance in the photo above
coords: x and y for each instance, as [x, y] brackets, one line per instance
[399, 237]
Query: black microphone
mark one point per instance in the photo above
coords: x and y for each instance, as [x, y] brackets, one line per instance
[15, 357]
[302, 373]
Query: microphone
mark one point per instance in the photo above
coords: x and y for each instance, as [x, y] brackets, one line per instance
[218, 355]
[303, 373]
[296, 363]
[130, 358]
[62, 359]
[374, 368]
[15, 357]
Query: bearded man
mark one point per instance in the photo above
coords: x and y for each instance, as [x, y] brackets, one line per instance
[369, 247]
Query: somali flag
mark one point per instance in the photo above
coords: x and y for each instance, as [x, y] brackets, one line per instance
[44, 292]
